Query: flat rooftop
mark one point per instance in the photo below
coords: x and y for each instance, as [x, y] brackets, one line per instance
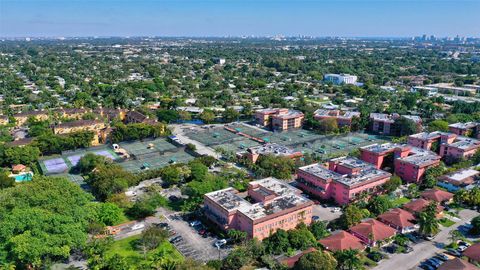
[272, 148]
[367, 171]
[381, 148]
[427, 135]
[462, 175]
[279, 187]
[467, 125]
[337, 113]
[421, 157]
[464, 143]
[381, 117]
[287, 197]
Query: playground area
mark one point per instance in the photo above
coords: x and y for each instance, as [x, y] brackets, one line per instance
[60, 164]
[237, 137]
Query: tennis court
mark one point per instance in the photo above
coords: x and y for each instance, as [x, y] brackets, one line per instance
[298, 139]
[63, 163]
[156, 161]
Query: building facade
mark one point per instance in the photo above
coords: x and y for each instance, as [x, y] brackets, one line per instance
[279, 119]
[276, 205]
[448, 145]
[345, 179]
[339, 79]
[343, 118]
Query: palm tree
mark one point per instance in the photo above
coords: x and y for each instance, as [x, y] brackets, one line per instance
[348, 259]
[454, 236]
[428, 221]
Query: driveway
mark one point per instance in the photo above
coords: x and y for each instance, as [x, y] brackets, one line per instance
[425, 249]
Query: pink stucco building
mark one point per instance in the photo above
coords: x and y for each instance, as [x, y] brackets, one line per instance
[469, 129]
[279, 119]
[253, 153]
[385, 123]
[343, 118]
[410, 163]
[274, 205]
[448, 145]
[344, 180]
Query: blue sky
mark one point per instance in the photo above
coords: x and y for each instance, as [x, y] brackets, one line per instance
[239, 17]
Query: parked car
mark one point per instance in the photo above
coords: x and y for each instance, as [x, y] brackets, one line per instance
[462, 248]
[315, 218]
[426, 266]
[442, 257]
[195, 223]
[175, 239]
[412, 238]
[220, 243]
[375, 256]
[433, 262]
[454, 252]
[336, 209]
[407, 249]
[138, 226]
[463, 243]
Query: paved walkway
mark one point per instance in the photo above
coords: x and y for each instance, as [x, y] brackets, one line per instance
[426, 249]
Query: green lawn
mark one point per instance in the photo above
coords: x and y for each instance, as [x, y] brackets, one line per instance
[400, 201]
[126, 248]
[445, 222]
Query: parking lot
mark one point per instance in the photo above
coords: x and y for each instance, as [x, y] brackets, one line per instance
[191, 243]
[325, 212]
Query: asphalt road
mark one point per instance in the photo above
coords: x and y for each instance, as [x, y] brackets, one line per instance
[426, 249]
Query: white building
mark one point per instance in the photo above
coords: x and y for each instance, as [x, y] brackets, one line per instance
[340, 78]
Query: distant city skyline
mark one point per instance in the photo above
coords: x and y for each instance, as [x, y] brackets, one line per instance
[209, 18]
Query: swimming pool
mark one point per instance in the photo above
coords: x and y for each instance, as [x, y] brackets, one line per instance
[23, 177]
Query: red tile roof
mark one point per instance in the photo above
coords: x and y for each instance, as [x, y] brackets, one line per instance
[374, 228]
[290, 261]
[397, 217]
[341, 241]
[418, 205]
[473, 252]
[437, 195]
[457, 264]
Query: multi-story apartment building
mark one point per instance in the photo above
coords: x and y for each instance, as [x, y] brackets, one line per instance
[345, 179]
[448, 145]
[338, 79]
[95, 126]
[343, 118]
[253, 153]
[276, 205]
[410, 163]
[469, 129]
[279, 119]
[385, 123]
[138, 117]
[21, 118]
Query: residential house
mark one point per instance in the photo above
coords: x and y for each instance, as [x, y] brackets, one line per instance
[399, 219]
[373, 232]
[437, 195]
[418, 205]
[341, 240]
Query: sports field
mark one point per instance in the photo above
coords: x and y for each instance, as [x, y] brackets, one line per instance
[239, 138]
[59, 164]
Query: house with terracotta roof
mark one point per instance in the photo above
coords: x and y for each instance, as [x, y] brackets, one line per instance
[292, 260]
[18, 168]
[341, 240]
[399, 219]
[457, 264]
[418, 205]
[437, 195]
[473, 253]
[372, 232]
